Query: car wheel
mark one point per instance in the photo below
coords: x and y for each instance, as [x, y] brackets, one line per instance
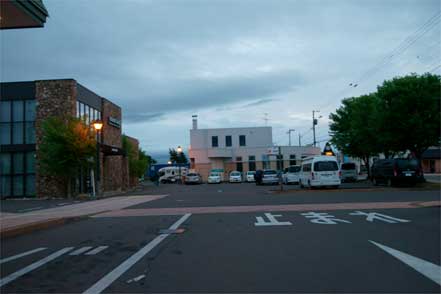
[374, 181]
[301, 185]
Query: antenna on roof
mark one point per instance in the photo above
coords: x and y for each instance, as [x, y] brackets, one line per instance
[266, 119]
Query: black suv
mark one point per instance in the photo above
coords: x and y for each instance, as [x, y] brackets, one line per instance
[395, 171]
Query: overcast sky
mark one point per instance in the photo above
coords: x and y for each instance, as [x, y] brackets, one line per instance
[230, 62]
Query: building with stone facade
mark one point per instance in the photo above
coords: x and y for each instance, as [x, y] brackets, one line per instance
[24, 106]
[241, 149]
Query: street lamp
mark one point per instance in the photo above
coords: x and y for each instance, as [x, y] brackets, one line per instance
[97, 125]
[179, 150]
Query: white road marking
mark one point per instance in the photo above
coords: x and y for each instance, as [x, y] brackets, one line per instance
[426, 268]
[138, 278]
[108, 279]
[96, 250]
[81, 250]
[371, 216]
[22, 254]
[33, 266]
[260, 222]
[30, 209]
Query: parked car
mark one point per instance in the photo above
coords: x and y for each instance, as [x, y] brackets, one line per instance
[270, 176]
[291, 175]
[258, 177]
[214, 178]
[235, 177]
[348, 172]
[320, 171]
[396, 171]
[193, 178]
[250, 176]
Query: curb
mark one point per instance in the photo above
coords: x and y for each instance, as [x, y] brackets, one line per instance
[37, 226]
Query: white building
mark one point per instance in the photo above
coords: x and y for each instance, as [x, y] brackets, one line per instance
[240, 149]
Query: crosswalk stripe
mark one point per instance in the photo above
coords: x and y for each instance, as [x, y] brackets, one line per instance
[81, 250]
[96, 250]
[22, 254]
[33, 266]
[426, 268]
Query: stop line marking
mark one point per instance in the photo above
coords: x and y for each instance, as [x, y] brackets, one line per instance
[426, 268]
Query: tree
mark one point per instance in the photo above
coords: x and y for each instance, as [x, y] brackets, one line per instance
[177, 157]
[409, 111]
[354, 127]
[68, 145]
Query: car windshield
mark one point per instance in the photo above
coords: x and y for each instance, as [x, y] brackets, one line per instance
[192, 175]
[235, 174]
[251, 173]
[325, 166]
[407, 163]
[214, 175]
[348, 166]
[270, 172]
[294, 169]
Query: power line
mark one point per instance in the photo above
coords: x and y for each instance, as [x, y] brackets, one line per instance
[435, 68]
[404, 45]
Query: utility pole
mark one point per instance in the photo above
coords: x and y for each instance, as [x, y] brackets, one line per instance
[314, 123]
[289, 133]
[300, 140]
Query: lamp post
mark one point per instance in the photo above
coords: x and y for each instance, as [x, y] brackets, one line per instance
[98, 125]
[179, 150]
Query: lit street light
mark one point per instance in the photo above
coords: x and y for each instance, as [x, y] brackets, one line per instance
[97, 125]
[179, 150]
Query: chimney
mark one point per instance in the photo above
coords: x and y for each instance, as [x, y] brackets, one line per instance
[195, 122]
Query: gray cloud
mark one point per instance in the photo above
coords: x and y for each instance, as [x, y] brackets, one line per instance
[160, 57]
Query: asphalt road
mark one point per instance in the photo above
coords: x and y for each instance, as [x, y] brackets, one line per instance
[348, 250]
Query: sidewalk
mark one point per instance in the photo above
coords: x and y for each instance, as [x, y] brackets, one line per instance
[12, 224]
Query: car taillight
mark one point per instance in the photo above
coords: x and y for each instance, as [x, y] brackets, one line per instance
[312, 176]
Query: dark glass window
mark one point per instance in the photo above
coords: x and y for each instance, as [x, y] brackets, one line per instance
[30, 133]
[17, 110]
[5, 111]
[30, 185]
[239, 158]
[228, 141]
[214, 141]
[292, 159]
[5, 163]
[242, 141]
[30, 162]
[5, 133]
[5, 186]
[30, 110]
[251, 165]
[251, 158]
[18, 185]
[325, 166]
[18, 163]
[17, 133]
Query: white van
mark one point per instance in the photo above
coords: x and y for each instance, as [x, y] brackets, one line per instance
[320, 171]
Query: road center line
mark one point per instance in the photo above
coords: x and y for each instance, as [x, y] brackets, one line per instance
[33, 266]
[22, 254]
[108, 279]
[426, 268]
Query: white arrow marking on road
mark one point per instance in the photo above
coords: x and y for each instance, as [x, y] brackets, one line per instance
[22, 254]
[108, 279]
[81, 250]
[428, 269]
[33, 266]
[97, 250]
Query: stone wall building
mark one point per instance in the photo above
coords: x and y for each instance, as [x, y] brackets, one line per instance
[23, 108]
